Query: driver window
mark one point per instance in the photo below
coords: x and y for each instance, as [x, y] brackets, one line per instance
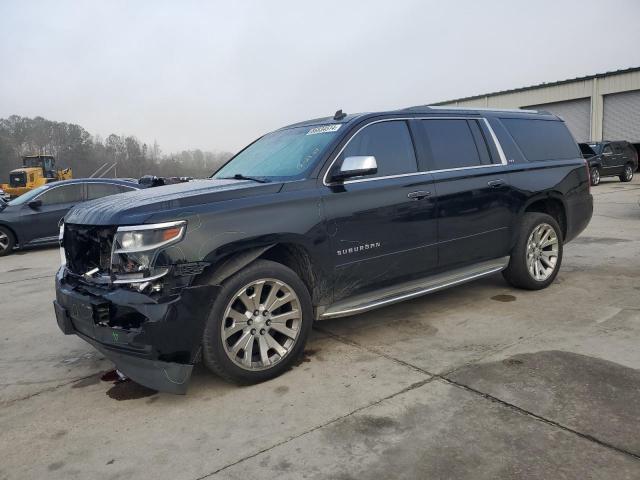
[390, 142]
[63, 194]
[607, 150]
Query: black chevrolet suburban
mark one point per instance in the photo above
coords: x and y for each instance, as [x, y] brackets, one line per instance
[321, 219]
[610, 159]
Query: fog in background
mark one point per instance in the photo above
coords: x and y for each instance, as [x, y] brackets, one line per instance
[214, 75]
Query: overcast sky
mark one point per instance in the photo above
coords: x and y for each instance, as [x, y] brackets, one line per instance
[216, 74]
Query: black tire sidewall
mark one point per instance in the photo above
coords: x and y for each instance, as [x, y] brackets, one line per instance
[12, 241]
[517, 273]
[213, 354]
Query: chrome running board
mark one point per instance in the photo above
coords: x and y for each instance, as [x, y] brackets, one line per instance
[397, 293]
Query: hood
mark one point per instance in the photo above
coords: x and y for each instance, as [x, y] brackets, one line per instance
[133, 208]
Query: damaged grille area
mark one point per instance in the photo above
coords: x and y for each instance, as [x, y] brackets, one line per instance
[88, 247]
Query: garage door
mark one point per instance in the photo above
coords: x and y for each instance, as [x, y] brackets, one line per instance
[576, 114]
[622, 116]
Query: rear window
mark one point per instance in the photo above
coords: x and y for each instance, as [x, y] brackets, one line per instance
[542, 139]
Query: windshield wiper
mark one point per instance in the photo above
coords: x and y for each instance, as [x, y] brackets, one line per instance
[239, 176]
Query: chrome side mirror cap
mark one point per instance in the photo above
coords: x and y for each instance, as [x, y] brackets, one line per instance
[357, 166]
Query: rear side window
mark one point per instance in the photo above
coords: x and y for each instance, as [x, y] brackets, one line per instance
[452, 144]
[390, 142]
[542, 139]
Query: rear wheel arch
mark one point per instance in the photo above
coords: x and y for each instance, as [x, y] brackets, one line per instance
[551, 204]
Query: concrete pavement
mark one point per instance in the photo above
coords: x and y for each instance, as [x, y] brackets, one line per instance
[479, 381]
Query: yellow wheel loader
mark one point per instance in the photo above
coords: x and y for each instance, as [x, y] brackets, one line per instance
[37, 170]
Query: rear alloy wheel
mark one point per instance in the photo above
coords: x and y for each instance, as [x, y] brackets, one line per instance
[595, 176]
[627, 173]
[259, 323]
[7, 241]
[537, 255]
[542, 252]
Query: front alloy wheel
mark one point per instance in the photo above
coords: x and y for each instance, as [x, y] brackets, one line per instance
[7, 241]
[595, 176]
[258, 324]
[261, 324]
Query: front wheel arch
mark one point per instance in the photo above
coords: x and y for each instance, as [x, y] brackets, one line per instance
[13, 241]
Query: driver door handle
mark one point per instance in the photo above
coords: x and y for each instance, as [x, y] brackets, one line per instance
[496, 183]
[418, 195]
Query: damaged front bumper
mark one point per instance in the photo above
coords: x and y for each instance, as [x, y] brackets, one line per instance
[152, 339]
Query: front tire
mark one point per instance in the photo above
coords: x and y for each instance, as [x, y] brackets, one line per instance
[258, 325]
[537, 255]
[594, 174]
[7, 241]
[627, 173]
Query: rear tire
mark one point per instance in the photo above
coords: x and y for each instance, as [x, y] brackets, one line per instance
[258, 325]
[627, 173]
[7, 241]
[537, 255]
[594, 174]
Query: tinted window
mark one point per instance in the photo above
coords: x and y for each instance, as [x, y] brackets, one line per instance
[98, 190]
[607, 150]
[542, 139]
[390, 143]
[64, 194]
[452, 144]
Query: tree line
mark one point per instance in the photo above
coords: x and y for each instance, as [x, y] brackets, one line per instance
[74, 147]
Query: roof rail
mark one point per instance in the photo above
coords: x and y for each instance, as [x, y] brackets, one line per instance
[481, 109]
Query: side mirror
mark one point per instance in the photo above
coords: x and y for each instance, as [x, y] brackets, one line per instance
[35, 204]
[357, 166]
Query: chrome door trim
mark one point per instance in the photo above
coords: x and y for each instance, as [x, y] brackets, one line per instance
[494, 138]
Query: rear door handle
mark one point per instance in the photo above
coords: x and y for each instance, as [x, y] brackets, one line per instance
[496, 183]
[419, 194]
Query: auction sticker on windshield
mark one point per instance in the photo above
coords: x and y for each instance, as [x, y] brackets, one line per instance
[325, 129]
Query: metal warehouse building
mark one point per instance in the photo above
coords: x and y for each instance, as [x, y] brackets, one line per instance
[596, 107]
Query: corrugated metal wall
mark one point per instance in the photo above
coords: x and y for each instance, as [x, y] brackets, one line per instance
[575, 113]
[622, 116]
[612, 100]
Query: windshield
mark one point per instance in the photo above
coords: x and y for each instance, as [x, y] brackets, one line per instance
[284, 154]
[27, 197]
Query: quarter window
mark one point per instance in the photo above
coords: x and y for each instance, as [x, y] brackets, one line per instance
[63, 194]
[542, 139]
[390, 142]
[452, 144]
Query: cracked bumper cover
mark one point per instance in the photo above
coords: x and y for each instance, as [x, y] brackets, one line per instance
[151, 339]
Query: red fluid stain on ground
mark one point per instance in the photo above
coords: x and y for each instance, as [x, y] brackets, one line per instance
[110, 376]
[125, 389]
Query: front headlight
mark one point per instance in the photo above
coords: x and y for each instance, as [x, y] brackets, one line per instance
[135, 250]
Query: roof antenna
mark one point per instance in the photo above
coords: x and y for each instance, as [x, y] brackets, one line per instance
[339, 115]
